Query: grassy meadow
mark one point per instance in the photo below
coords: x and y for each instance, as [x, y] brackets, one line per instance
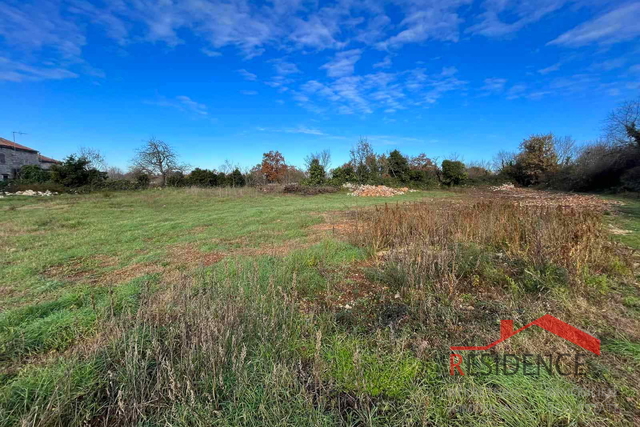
[231, 307]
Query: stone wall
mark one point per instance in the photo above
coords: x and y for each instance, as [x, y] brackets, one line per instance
[11, 160]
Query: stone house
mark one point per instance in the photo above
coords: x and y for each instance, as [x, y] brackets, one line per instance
[13, 156]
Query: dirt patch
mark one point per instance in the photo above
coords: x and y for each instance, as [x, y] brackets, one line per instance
[188, 255]
[354, 292]
[129, 273]
[86, 269]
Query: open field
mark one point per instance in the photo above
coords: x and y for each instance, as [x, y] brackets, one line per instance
[231, 307]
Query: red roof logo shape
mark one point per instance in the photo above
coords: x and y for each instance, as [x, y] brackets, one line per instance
[548, 323]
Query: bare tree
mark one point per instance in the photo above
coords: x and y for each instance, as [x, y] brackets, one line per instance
[323, 157]
[115, 173]
[622, 125]
[502, 159]
[95, 157]
[227, 167]
[156, 157]
[455, 157]
[566, 149]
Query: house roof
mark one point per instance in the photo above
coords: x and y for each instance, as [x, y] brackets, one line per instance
[11, 144]
[46, 159]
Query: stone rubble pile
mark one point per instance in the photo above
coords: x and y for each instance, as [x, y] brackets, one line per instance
[531, 197]
[31, 193]
[376, 191]
[503, 187]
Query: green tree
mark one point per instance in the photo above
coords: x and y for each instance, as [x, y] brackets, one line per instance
[317, 174]
[343, 174]
[202, 178]
[236, 178]
[398, 166]
[453, 172]
[536, 160]
[75, 172]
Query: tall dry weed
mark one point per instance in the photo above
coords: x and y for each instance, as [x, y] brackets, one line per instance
[443, 242]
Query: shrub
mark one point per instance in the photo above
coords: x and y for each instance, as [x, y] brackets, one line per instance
[202, 178]
[343, 174]
[309, 191]
[143, 180]
[176, 179]
[236, 178]
[631, 179]
[14, 186]
[31, 174]
[453, 172]
[76, 172]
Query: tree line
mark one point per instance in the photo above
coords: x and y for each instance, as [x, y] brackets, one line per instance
[612, 162]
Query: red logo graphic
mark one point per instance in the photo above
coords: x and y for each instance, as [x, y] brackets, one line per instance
[546, 322]
[549, 323]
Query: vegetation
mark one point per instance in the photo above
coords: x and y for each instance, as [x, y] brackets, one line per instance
[76, 172]
[453, 172]
[156, 157]
[223, 306]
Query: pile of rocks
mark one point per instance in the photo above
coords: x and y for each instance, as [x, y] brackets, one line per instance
[377, 191]
[503, 187]
[31, 193]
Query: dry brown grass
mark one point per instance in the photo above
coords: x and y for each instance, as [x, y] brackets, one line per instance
[433, 238]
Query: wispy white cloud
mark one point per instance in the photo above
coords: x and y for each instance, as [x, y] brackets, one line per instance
[610, 64]
[550, 68]
[385, 63]
[493, 86]
[16, 72]
[247, 75]
[388, 92]
[616, 26]
[285, 68]
[436, 21]
[516, 91]
[210, 53]
[343, 63]
[305, 130]
[182, 103]
[523, 13]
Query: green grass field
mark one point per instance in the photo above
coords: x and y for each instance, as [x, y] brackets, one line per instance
[208, 307]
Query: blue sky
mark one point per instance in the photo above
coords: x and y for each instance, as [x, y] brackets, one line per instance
[232, 79]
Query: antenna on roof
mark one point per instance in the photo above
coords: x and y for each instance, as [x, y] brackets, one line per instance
[17, 132]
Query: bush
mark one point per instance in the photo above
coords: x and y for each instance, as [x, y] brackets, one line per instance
[202, 178]
[31, 174]
[14, 186]
[76, 172]
[426, 178]
[143, 180]
[236, 178]
[631, 179]
[309, 191]
[343, 174]
[453, 172]
[118, 185]
[176, 179]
